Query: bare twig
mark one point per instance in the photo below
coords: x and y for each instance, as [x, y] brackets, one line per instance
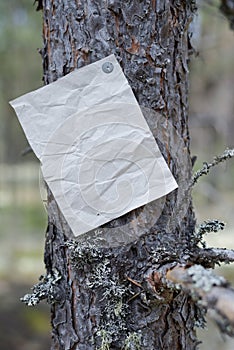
[134, 282]
[212, 291]
[228, 153]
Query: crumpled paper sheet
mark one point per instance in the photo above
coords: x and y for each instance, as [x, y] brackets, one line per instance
[97, 153]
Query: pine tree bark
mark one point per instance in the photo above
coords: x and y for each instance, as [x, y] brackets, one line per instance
[150, 40]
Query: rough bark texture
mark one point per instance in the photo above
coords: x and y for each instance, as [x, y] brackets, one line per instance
[104, 298]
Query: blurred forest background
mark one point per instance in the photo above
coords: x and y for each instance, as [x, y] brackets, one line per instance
[22, 214]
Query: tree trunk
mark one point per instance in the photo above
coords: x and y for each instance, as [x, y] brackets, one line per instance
[104, 299]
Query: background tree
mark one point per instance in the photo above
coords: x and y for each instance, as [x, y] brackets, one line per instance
[120, 298]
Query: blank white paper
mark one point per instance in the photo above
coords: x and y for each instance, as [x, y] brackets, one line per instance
[97, 153]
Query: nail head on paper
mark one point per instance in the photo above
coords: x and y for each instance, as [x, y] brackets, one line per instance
[107, 67]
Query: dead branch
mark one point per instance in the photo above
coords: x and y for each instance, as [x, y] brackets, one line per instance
[227, 154]
[208, 226]
[212, 292]
[217, 255]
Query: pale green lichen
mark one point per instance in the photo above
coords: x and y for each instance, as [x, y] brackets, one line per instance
[115, 294]
[133, 341]
[118, 310]
[105, 340]
[83, 253]
[100, 275]
[115, 310]
[208, 226]
[204, 279]
[46, 289]
[114, 291]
